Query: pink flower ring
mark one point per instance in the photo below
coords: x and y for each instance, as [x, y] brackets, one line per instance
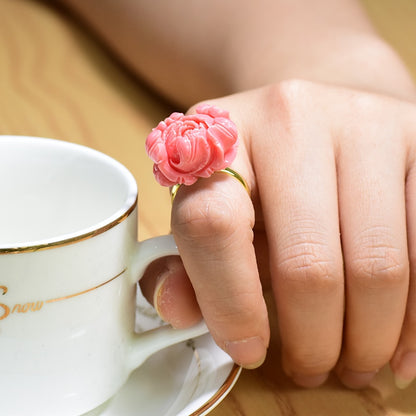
[187, 147]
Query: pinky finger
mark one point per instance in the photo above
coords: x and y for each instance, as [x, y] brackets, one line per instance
[403, 362]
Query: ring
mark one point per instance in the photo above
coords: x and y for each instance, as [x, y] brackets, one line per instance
[175, 188]
[185, 148]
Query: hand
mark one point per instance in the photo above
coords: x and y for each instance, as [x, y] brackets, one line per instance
[332, 173]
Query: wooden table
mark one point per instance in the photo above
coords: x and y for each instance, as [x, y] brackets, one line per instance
[57, 81]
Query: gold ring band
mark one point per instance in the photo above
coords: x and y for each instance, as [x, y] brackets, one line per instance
[228, 171]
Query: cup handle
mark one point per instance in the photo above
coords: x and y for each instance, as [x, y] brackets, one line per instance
[149, 342]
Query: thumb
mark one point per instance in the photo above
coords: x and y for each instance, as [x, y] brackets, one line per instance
[167, 287]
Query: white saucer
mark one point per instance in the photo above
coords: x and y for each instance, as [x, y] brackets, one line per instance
[188, 379]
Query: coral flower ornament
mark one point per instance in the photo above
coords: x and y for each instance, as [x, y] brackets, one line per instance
[187, 147]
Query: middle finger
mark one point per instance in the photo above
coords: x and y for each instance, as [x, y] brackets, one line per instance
[299, 200]
[372, 218]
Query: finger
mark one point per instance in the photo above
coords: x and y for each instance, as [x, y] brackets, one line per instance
[166, 286]
[298, 194]
[403, 363]
[372, 217]
[212, 222]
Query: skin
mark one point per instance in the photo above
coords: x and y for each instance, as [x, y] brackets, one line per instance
[327, 145]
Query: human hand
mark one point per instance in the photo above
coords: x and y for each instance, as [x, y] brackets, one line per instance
[333, 186]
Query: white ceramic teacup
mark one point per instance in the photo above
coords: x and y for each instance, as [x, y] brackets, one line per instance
[69, 264]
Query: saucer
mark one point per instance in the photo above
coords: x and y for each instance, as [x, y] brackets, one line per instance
[187, 379]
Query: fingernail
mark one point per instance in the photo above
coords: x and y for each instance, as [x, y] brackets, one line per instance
[402, 383]
[163, 298]
[406, 370]
[356, 379]
[309, 381]
[250, 353]
[158, 294]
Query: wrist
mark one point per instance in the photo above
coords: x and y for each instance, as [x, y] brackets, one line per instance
[361, 61]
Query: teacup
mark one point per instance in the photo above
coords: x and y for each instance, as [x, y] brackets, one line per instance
[69, 266]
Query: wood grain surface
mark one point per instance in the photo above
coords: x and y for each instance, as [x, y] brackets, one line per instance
[57, 81]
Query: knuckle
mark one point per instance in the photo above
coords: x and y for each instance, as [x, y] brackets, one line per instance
[312, 360]
[213, 217]
[225, 316]
[368, 105]
[232, 317]
[234, 307]
[289, 96]
[296, 107]
[290, 89]
[375, 271]
[306, 266]
[378, 264]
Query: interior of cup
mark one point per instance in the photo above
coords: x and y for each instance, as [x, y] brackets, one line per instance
[53, 190]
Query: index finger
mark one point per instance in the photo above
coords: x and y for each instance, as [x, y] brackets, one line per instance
[212, 223]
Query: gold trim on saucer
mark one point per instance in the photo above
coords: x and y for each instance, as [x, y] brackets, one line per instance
[221, 392]
[71, 240]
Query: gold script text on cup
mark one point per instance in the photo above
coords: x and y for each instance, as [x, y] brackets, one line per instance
[37, 305]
